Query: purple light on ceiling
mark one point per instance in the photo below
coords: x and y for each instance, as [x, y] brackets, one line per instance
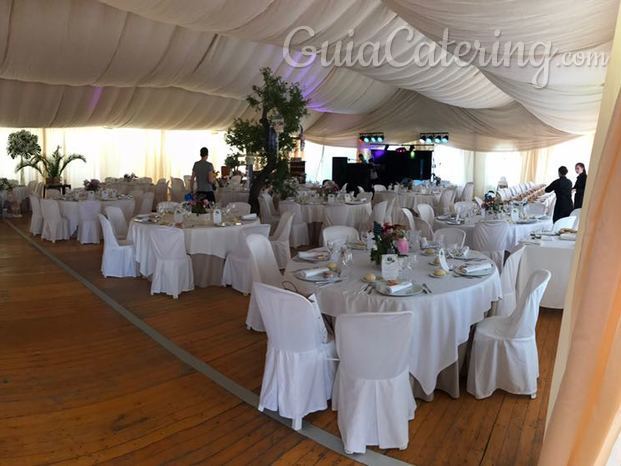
[95, 96]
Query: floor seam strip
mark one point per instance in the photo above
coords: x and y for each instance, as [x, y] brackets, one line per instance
[308, 430]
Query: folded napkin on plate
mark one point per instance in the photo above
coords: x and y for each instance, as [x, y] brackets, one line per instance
[398, 287]
[476, 267]
[568, 236]
[535, 242]
[312, 272]
[312, 254]
[249, 217]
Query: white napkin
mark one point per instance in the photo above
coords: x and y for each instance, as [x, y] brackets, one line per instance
[535, 242]
[312, 272]
[398, 287]
[249, 217]
[311, 254]
[443, 264]
[568, 236]
[476, 267]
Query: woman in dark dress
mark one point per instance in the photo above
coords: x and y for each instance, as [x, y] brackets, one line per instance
[580, 185]
[562, 188]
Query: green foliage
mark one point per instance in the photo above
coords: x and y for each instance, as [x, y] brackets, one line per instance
[282, 182]
[232, 161]
[23, 144]
[50, 166]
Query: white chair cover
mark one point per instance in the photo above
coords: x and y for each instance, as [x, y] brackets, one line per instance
[446, 200]
[339, 233]
[118, 259]
[409, 218]
[264, 270]
[299, 229]
[379, 187]
[450, 236]
[490, 239]
[161, 191]
[173, 267]
[237, 270]
[344, 188]
[137, 195]
[372, 392]
[177, 190]
[239, 208]
[298, 374]
[379, 213]
[336, 215]
[468, 192]
[478, 201]
[36, 221]
[508, 280]
[504, 350]
[392, 209]
[565, 222]
[425, 211]
[360, 189]
[55, 227]
[89, 230]
[52, 194]
[535, 208]
[167, 206]
[146, 205]
[423, 227]
[236, 179]
[266, 207]
[280, 240]
[118, 221]
[575, 213]
[463, 207]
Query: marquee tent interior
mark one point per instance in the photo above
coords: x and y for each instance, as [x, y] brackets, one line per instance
[138, 86]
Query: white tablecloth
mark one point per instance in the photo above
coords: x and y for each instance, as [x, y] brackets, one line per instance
[124, 187]
[199, 240]
[226, 196]
[554, 255]
[442, 320]
[517, 231]
[71, 210]
[358, 214]
[19, 194]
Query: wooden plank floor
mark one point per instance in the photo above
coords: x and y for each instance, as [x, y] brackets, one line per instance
[80, 385]
[501, 430]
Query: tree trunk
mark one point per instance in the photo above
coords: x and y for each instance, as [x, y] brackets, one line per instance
[271, 154]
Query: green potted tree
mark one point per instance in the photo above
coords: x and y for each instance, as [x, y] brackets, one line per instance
[271, 136]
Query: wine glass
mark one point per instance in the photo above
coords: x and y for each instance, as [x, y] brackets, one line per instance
[347, 261]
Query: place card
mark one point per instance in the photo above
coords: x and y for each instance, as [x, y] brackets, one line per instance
[390, 266]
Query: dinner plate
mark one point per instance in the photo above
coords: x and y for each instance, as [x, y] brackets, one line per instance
[411, 291]
[443, 217]
[526, 221]
[477, 274]
[316, 278]
[454, 222]
[319, 257]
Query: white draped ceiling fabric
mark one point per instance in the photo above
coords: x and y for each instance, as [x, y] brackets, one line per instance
[188, 64]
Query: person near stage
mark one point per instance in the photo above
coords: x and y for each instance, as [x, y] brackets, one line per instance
[580, 185]
[562, 187]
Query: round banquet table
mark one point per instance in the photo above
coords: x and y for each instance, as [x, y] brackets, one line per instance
[442, 319]
[517, 231]
[552, 254]
[207, 246]
[226, 196]
[71, 210]
[357, 214]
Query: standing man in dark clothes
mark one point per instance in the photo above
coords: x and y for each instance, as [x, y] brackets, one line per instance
[562, 188]
[204, 175]
[580, 185]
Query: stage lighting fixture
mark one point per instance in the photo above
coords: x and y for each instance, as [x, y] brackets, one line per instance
[434, 138]
[371, 138]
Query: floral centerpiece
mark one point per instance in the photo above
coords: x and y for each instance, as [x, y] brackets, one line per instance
[492, 202]
[328, 187]
[195, 205]
[130, 177]
[92, 185]
[386, 238]
[6, 185]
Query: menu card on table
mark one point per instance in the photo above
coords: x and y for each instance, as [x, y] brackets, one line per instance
[390, 266]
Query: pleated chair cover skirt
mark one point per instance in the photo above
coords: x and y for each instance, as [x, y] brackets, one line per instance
[173, 272]
[118, 260]
[55, 227]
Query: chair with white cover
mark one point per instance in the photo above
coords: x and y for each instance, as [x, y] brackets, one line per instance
[146, 205]
[237, 270]
[450, 236]
[264, 269]
[423, 228]
[478, 201]
[508, 280]
[504, 349]
[461, 208]
[360, 189]
[392, 209]
[468, 192]
[118, 221]
[137, 195]
[337, 214]
[425, 211]
[372, 392]
[177, 190]
[378, 215]
[535, 209]
[173, 267]
[186, 183]
[266, 207]
[52, 194]
[344, 188]
[445, 203]
[239, 208]
[379, 187]
[299, 362]
[565, 222]
[280, 239]
[36, 221]
[119, 257]
[236, 180]
[55, 227]
[89, 230]
[299, 228]
[409, 218]
[167, 206]
[339, 233]
[364, 196]
[161, 191]
[490, 238]
[576, 213]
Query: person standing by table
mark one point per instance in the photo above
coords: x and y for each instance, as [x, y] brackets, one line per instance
[562, 187]
[204, 175]
[580, 185]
